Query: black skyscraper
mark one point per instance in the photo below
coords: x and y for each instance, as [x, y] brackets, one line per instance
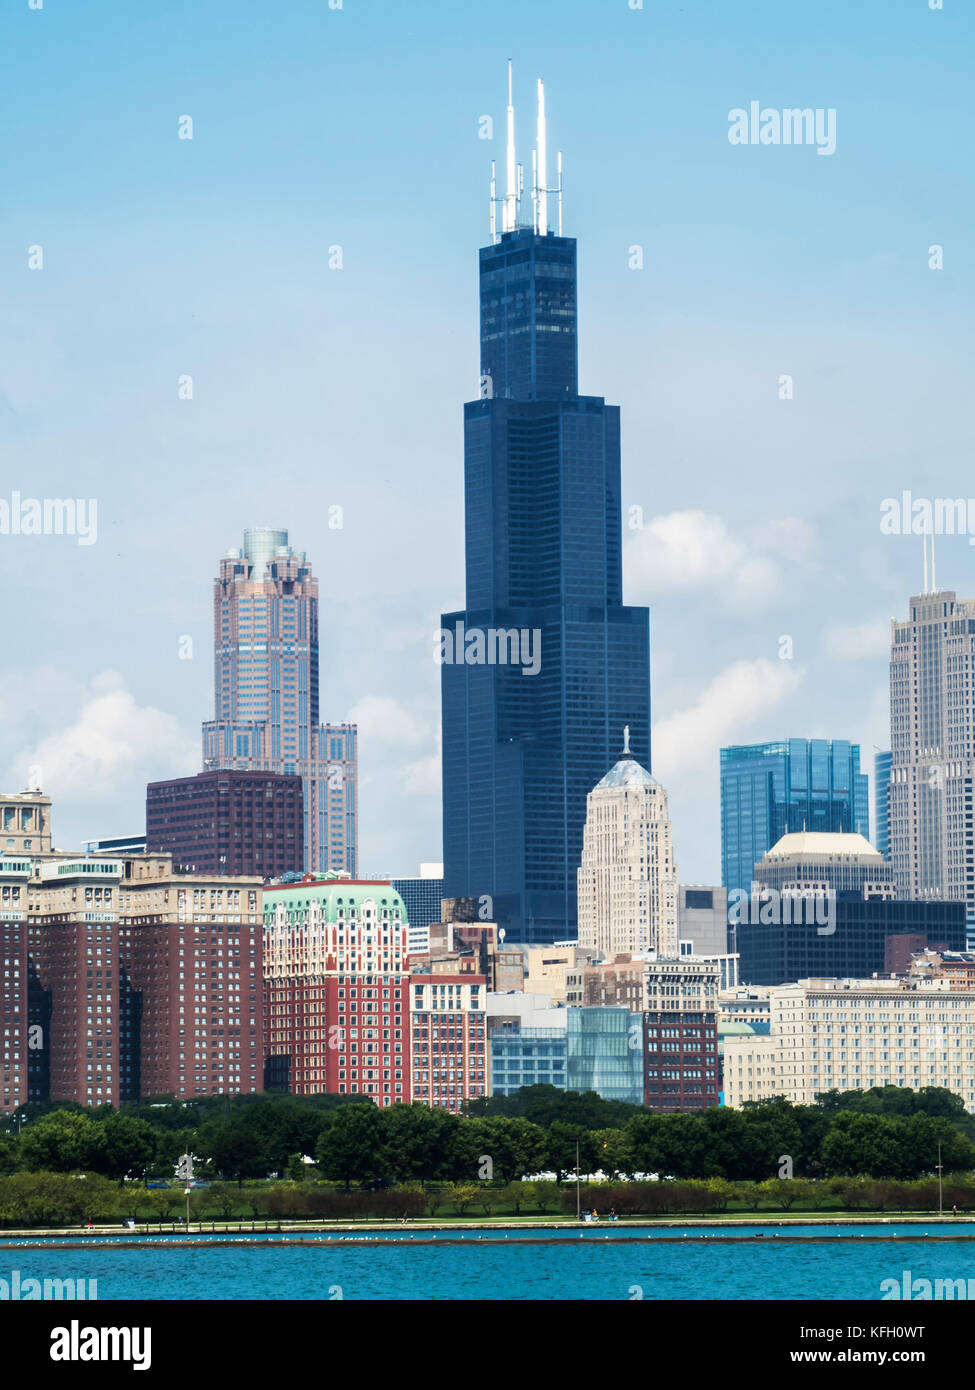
[545, 665]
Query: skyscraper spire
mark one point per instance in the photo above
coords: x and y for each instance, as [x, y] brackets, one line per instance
[542, 202]
[510, 199]
[509, 215]
[924, 547]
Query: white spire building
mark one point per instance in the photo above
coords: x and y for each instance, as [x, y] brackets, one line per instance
[628, 892]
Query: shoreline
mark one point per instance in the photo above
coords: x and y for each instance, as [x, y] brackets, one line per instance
[287, 1234]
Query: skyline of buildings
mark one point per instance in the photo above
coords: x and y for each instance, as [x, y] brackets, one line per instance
[143, 981]
[531, 707]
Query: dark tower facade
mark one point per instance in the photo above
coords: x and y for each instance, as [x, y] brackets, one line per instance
[523, 745]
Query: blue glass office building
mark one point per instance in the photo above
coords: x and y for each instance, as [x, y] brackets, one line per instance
[881, 802]
[527, 1057]
[604, 1052]
[543, 540]
[770, 789]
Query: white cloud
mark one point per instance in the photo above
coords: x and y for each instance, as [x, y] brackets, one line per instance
[723, 713]
[858, 641]
[423, 778]
[384, 723]
[111, 745]
[697, 550]
[388, 727]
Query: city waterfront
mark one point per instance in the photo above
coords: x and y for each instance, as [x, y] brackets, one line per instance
[799, 1262]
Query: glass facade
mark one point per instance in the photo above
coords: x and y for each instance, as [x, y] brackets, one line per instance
[881, 802]
[421, 898]
[527, 1057]
[605, 1053]
[543, 541]
[771, 789]
[854, 948]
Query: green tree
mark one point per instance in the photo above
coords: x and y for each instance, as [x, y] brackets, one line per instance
[684, 1147]
[515, 1147]
[644, 1139]
[61, 1142]
[563, 1143]
[418, 1142]
[235, 1151]
[872, 1145]
[350, 1146]
[781, 1193]
[296, 1168]
[463, 1194]
[126, 1148]
[224, 1198]
[8, 1154]
[544, 1105]
[613, 1156]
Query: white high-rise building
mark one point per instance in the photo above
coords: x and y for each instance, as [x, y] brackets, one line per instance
[932, 724]
[628, 890]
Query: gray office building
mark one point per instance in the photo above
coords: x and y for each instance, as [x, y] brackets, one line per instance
[932, 740]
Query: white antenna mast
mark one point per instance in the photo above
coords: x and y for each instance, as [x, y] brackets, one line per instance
[560, 190]
[509, 214]
[494, 206]
[535, 190]
[934, 582]
[924, 543]
[542, 210]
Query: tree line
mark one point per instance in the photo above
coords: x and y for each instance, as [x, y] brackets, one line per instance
[62, 1199]
[350, 1142]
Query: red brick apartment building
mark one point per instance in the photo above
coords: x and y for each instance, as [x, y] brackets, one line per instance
[136, 981]
[448, 1029]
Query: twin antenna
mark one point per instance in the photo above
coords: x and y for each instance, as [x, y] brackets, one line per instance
[515, 181]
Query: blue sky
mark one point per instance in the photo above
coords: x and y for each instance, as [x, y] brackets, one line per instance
[314, 387]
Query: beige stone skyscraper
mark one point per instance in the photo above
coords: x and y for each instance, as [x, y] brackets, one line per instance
[628, 878]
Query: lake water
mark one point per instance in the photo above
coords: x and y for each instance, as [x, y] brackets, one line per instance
[654, 1264]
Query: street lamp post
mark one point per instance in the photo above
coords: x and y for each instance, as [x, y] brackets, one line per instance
[578, 1211]
[184, 1170]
